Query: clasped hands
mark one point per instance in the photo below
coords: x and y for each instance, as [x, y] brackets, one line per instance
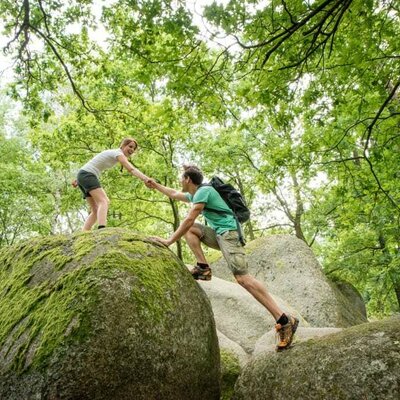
[150, 183]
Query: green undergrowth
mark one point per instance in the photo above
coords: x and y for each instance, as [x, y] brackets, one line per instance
[230, 370]
[48, 286]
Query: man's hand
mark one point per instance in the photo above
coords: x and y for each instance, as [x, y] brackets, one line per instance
[74, 183]
[165, 242]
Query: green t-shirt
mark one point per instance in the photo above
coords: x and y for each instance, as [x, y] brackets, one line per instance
[219, 222]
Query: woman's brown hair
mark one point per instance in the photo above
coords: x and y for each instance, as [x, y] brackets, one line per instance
[127, 141]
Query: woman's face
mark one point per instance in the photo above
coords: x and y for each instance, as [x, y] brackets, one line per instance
[129, 149]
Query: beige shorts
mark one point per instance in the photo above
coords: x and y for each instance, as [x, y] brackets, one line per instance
[230, 246]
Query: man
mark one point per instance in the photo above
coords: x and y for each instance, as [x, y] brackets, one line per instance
[221, 234]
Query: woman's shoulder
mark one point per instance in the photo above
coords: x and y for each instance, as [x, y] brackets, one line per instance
[112, 152]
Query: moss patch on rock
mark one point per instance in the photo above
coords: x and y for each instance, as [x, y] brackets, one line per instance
[230, 370]
[48, 285]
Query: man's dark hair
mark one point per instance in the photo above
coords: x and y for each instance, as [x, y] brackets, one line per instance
[193, 173]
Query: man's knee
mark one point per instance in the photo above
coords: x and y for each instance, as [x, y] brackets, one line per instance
[193, 232]
[242, 280]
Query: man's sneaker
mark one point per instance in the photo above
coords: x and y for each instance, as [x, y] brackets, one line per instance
[203, 274]
[286, 333]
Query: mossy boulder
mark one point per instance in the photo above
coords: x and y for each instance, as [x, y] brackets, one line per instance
[103, 315]
[361, 362]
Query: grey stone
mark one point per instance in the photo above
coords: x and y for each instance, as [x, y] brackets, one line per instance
[102, 316]
[228, 345]
[352, 295]
[361, 362]
[289, 269]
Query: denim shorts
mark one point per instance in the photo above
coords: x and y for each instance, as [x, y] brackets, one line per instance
[87, 182]
[230, 246]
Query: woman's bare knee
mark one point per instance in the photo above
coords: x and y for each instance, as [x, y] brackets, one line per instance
[103, 203]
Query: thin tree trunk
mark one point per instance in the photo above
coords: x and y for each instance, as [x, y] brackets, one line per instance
[249, 224]
[397, 291]
[176, 224]
[56, 214]
[299, 209]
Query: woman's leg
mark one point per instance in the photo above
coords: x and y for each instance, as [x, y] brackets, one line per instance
[92, 217]
[101, 200]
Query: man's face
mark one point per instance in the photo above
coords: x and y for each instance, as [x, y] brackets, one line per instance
[185, 183]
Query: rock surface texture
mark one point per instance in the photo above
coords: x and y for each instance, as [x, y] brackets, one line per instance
[289, 270]
[103, 315]
[361, 362]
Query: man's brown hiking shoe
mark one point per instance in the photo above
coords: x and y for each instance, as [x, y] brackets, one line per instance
[202, 274]
[286, 333]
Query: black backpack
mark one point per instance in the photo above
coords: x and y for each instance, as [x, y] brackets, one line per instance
[233, 199]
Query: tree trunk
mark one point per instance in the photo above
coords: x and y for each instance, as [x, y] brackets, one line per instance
[299, 209]
[176, 224]
[395, 278]
[250, 230]
[397, 291]
[249, 225]
[57, 211]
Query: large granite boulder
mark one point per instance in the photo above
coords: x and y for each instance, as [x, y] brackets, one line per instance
[352, 295]
[289, 269]
[103, 315]
[361, 362]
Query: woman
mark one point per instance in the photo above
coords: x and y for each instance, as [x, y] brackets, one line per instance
[88, 180]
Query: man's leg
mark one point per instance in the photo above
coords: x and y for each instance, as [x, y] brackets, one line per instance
[192, 238]
[235, 256]
[259, 292]
[196, 235]
[286, 325]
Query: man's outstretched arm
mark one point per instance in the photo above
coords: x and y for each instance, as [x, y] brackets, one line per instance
[186, 224]
[171, 193]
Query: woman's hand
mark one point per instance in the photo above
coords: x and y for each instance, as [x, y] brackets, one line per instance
[74, 183]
